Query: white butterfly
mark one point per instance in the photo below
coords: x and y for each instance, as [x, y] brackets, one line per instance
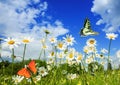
[87, 29]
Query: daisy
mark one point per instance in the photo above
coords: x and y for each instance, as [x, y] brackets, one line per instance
[79, 57]
[61, 45]
[69, 40]
[111, 36]
[89, 60]
[118, 53]
[53, 40]
[17, 79]
[71, 55]
[42, 71]
[50, 61]
[60, 55]
[11, 43]
[27, 40]
[37, 78]
[47, 31]
[71, 76]
[44, 47]
[91, 42]
[104, 51]
[52, 54]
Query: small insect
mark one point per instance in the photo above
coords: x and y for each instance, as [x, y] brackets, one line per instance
[29, 70]
[86, 30]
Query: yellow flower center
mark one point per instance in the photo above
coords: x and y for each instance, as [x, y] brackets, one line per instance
[42, 71]
[111, 37]
[11, 42]
[69, 40]
[91, 41]
[26, 41]
[44, 46]
[52, 39]
[71, 55]
[79, 57]
[60, 45]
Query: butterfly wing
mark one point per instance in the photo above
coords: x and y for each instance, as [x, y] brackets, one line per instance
[24, 72]
[32, 66]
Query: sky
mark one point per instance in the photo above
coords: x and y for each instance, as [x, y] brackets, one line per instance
[29, 17]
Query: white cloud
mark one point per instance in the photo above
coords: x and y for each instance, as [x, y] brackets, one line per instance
[109, 13]
[16, 16]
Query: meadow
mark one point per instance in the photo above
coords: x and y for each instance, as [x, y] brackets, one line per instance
[61, 65]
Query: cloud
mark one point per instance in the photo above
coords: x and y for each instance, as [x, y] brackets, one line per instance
[19, 18]
[109, 13]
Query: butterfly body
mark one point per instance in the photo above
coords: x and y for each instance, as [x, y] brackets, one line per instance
[87, 29]
[29, 70]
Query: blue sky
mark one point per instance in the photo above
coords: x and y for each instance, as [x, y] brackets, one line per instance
[29, 17]
[72, 13]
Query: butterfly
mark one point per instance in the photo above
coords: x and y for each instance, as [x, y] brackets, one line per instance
[86, 30]
[29, 70]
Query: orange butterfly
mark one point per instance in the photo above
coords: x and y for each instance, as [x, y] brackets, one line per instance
[27, 72]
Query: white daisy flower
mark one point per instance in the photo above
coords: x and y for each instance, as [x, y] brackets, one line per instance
[61, 45]
[71, 55]
[111, 36]
[69, 40]
[42, 71]
[79, 57]
[104, 51]
[71, 76]
[60, 55]
[52, 54]
[91, 42]
[89, 60]
[118, 53]
[53, 40]
[17, 79]
[27, 40]
[11, 43]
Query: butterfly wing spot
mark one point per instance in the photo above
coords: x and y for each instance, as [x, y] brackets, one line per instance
[24, 72]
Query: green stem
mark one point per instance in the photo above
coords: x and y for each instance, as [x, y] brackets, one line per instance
[32, 81]
[40, 54]
[24, 53]
[44, 55]
[12, 60]
[109, 64]
[109, 50]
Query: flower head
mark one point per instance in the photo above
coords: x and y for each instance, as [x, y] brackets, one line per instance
[104, 51]
[47, 31]
[69, 40]
[79, 57]
[61, 45]
[27, 40]
[42, 71]
[91, 42]
[53, 40]
[118, 53]
[60, 55]
[17, 79]
[71, 76]
[11, 42]
[111, 36]
[71, 54]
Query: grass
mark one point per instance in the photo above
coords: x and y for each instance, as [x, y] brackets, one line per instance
[56, 77]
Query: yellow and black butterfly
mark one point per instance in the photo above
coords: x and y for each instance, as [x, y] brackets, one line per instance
[86, 30]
